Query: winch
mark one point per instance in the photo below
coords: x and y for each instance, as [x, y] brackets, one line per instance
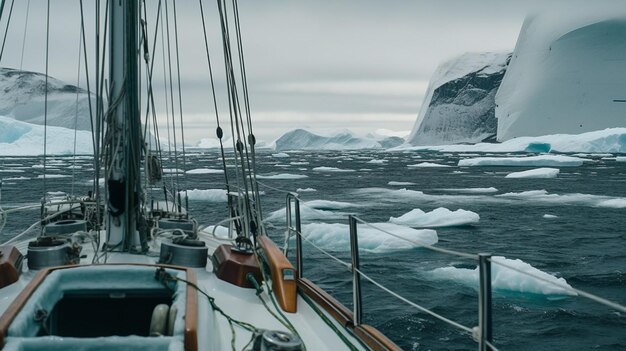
[184, 252]
[48, 251]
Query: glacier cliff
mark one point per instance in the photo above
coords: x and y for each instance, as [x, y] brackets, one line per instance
[566, 75]
[460, 101]
[23, 98]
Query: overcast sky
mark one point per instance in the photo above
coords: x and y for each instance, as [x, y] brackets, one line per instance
[324, 64]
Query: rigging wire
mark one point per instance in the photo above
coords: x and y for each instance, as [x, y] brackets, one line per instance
[24, 37]
[171, 90]
[45, 113]
[6, 30]
[80, 44]
[167, 109]
[180, 96]
[219, 131]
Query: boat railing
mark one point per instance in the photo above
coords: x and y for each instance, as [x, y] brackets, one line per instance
[482, 333]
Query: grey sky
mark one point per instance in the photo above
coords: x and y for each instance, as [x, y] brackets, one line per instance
[358, 65]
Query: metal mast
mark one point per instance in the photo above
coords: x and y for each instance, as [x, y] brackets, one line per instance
[123, 120]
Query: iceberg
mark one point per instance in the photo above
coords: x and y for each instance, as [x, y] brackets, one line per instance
[281, 176]
[210, 195]
[459, 106]
[26, 139]
[301, 139]
[535, 173]
[427, 165]
[566, 74]
[439, 217]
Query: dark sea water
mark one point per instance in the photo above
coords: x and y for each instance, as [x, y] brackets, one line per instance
[585, 243]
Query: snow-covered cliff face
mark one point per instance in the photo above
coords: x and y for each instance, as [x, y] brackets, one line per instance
[567, 75]
[460, 101]
[301, 139]
[23, 98]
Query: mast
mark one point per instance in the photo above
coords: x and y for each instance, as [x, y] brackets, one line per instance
[123, 121]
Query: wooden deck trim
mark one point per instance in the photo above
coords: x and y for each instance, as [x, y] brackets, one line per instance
[191, 303]
[191, 313]
[340, 312]
[367, 334]
[373, 338]
[16, 306]
[284, 290]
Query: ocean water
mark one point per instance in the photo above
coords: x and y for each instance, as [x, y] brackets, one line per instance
[583, 240]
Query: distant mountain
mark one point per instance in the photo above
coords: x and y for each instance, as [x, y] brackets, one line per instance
[459, 106]
[23, 98]
[301, 139]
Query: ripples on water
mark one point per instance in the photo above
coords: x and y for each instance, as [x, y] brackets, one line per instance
[579, 240]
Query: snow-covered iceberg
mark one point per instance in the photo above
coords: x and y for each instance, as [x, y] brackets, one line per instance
[544, 172]
[460, 101]
[439, 217]
[567, 73]
[301, 139]
[337, 237]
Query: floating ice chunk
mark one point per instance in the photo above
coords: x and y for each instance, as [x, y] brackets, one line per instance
[427, 165]
[613, 203]
[337, 237]
[549, 216]
[620, 159]
[332, 169]
[204, 171]
[305, 190]
[535, 173]
[399, 183]
[377, 162]
[506, 279]
[172, 171]
[299, 163]
[11, 171]
[51, 176]
[439, 217]
[210, 195]
[471, 190]
[543, 160]
[15, 178]
[280, 155]
[281, 176]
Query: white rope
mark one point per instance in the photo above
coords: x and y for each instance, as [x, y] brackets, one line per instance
[590, 296]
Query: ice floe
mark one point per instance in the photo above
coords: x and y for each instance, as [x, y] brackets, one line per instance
[210, 195]
[426, 165]
[549, 216]
[439, 217]
[530, 161]
[280, 155]
[305, 190]
[471, 190]
[204, 171]
[506, 279]
[331, 169]
[544, 172]
[281, 176]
